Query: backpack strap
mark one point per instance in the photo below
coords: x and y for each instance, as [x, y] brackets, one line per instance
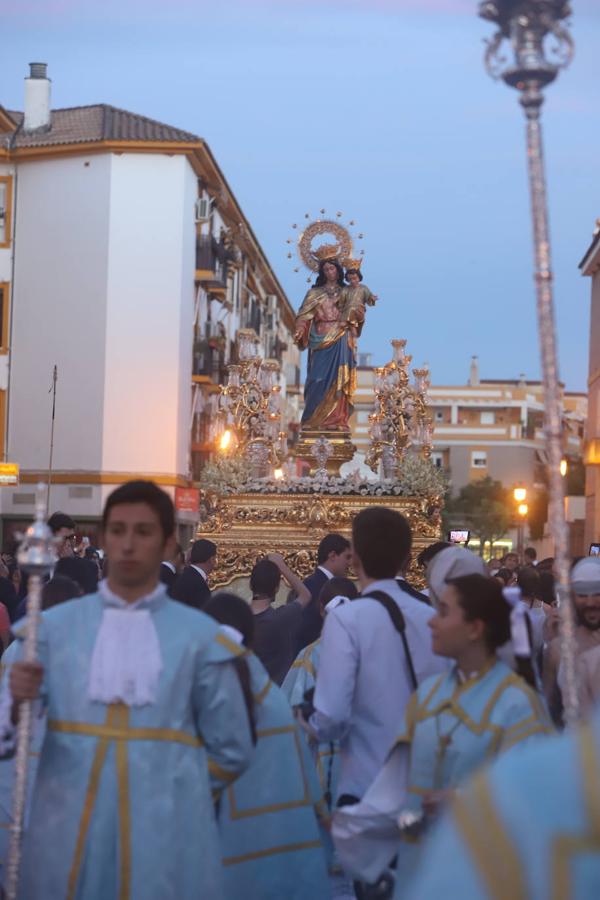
[395, 614]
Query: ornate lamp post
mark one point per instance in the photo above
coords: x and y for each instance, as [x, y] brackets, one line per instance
[541, 46]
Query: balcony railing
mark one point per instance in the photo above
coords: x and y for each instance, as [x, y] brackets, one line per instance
[211, 256]
[209, 361]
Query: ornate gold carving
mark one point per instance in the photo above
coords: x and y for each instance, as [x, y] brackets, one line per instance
[247, 526]
[342, 448]
[341, 249]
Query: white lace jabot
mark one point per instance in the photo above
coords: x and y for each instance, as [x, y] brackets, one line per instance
[126, 661]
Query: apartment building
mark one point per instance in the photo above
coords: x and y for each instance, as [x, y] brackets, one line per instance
[590, 266]
[127, 263]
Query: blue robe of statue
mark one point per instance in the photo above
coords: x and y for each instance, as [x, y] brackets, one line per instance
[452, 728]
[302, 677]
[527, 828]
[268, 823]
[122, 804]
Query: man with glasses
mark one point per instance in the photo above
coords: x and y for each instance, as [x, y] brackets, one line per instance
[82, 571]
[62, 527]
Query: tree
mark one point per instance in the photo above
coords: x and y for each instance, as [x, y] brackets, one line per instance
[483, 506]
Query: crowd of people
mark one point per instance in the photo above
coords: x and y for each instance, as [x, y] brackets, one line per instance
[315, 738]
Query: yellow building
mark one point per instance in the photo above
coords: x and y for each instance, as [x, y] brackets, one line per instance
[490, 427]
[590, 266]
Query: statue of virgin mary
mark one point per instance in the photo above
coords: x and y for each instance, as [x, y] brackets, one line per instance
[328, 328]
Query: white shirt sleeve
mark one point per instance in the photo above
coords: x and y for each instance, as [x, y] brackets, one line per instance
[366, 835]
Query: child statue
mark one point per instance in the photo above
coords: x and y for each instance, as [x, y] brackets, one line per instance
[357, 295]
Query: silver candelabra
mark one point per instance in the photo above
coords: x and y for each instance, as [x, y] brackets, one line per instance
[402, 417]
[250, 405]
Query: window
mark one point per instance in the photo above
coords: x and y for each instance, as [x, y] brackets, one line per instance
[479, 459]
[5, 209]
[488, 418]
[4, 295]
[438, 460]
[439, 415]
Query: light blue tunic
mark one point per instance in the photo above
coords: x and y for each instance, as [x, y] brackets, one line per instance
[452, 727]
[122, 804]
[528, 828]
[302, 677]
[268, 823]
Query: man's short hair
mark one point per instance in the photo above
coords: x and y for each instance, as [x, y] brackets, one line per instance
[202, 551]
[265, 579]
[426, 555]
[531, 552]
[143, 492]
[382, 540]
[60, 520]
[331, 543]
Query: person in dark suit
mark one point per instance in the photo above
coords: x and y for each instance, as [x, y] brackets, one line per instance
[170, 569]
[333, 561]
[192, 587]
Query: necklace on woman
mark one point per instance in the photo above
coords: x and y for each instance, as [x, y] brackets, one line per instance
[331, 289]
[444, 741]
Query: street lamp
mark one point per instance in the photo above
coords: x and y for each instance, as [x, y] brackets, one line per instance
[564, 467]
[520, 494]
[541, 46]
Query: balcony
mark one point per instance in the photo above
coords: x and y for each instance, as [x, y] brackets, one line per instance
[211, 261]
[209, 361]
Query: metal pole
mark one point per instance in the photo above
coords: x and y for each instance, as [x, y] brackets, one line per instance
[36, 556]
[528, 24]
[24, 732]
[532, 101]
[53, 390]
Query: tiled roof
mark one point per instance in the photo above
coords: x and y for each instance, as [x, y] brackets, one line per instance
[86, 124]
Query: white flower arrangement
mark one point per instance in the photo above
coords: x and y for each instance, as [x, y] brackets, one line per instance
[418, 477]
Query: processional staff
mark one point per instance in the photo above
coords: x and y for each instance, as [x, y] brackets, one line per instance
[36, 557]
[529, 25]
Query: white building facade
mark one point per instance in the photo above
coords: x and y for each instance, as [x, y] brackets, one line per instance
[101, 276]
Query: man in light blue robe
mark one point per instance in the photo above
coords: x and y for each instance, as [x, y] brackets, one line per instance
[144, 716]
[268, 819]
[527, 827]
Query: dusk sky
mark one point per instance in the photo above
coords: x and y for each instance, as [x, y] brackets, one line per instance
[382, 110]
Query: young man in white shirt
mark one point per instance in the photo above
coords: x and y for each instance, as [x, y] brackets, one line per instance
[367, 671]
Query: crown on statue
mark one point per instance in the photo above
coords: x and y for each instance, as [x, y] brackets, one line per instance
[350, 263]
[326, 251]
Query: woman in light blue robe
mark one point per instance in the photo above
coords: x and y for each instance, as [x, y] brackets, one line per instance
[269, 819]
[122, 803]
[454, 723]
[527, 827]
[300, 682]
